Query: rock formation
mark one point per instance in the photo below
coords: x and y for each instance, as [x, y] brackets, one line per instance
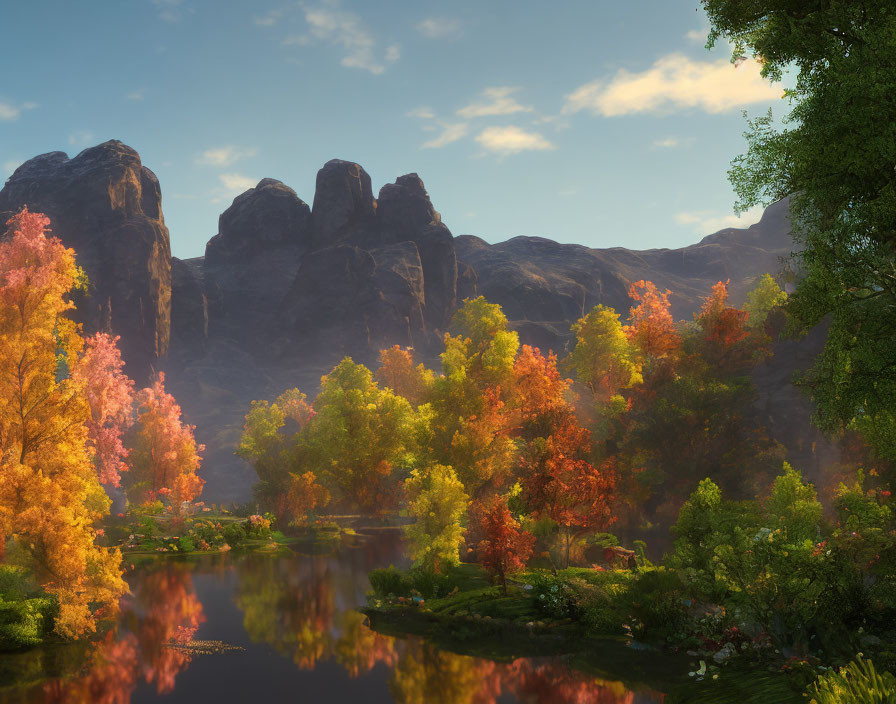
[107, 206]
[252, 262]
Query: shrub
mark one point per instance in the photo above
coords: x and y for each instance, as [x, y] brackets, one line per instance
[553, 596]
[258, 527]
[429, 584]
[656, 598]
[27, 613]
[389, 581]
[186, 544]
[857, 683]
[234, 534]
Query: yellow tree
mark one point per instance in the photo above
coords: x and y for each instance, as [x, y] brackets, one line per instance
[604, 358]
[472, 413]
[50, 495]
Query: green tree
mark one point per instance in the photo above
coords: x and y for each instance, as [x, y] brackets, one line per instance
[604, 359]
[272, 443]
[359, 437]
[762, 300]
[438, 503]
[834, 158]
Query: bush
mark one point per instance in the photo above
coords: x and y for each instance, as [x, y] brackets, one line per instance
[234, 534]
[149, 528]
[185, 544]
[389, 581]
[656, 598]
[553, 596]
[857, 683]
[27, 613]
[429, 584]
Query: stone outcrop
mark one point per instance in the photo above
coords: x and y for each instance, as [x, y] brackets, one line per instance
[107, 206]
[344, 209]
[252, 262]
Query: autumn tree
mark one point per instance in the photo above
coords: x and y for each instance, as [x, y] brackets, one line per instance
[359, 437]
[397, 372]
[272, 443]
[541, 391]
[651, 326]
[50, 495]
[438, 503]
[164, 455]
[110, 395]
[505, 547]
[560, 483]
[724, 331]
[604, 359]
[470, 417]
[304, 495]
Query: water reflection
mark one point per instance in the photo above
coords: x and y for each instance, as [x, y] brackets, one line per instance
[293, 619]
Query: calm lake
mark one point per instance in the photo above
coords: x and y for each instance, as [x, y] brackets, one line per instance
[272, 628]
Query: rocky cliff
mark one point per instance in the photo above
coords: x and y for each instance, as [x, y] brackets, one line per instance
[107, 206]
[284, 291]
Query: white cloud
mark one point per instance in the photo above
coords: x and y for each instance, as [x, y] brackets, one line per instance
[511, 140]
[423, 112]
[10, 112]
[136, 95]
[439, 27]
[451, 132]
[706, 221]
[346, 30]
[672, 142]
[697, 36]
[675, 81]
[80, 139]
[237, 183]
[269, 19]
[171, 11]
[223, 156]
[497, 102]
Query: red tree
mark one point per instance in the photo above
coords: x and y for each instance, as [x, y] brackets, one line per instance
[110, 394]
[724, 329]
[558, 482]
[505, 547]
[652, 327]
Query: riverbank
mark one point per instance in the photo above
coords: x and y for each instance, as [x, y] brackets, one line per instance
[630, 625]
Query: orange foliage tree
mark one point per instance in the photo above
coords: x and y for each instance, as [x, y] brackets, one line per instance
[50, 495]
[505, 547]
[397, 372]
[559, 483]
[651, 326]
[164, 455]
[723, 328]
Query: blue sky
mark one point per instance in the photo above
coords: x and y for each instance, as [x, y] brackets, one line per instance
[593, 121]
